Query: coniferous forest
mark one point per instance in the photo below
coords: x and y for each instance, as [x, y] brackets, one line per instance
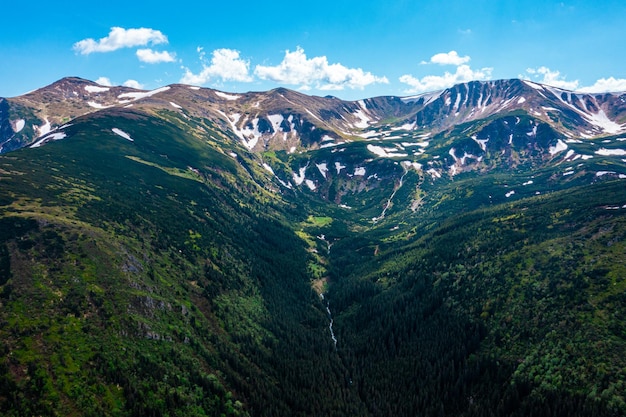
[166, 277]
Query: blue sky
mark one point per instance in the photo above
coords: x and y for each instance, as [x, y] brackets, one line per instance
[349, 49]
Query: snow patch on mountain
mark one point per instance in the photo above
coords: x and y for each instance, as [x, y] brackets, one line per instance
[457, 103]
[408, 126]
[292, 125]
[310, 184]
[299, 178]
[19, 125]
[97, 105]
[601, 120]
[96, 89]
[369, 134]
[227, 96]
[176, 106]
[268, 168]
[249, 136]
[122, 134]
[571, 155]
[533, 85]
[44, 129]
[339, 167]
[611, 152]
[434, 173]
[603, 173]
[560, 147]
[428, 97]
[53, 136]
[232, 120]
[481, 142]
[423, 144]
[364, 119]
[385, 152]
[323, 168]
[359, 171]
[330, 145]
[276, 120]
[461, 160]
[252, 134]
[235, 117]
[411, 164]
[143, 94]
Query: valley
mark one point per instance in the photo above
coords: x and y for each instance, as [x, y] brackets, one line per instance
[191, 252]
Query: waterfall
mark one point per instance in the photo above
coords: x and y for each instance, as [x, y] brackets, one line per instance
[330, 325]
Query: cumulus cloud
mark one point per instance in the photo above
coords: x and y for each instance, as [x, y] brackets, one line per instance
[153, 57]
[462, 74]
[545, 75]
[606, 85]
[297, 69]
[225, 65]
[104, 81]
[448, 58]
[120, 38]
[133, 84]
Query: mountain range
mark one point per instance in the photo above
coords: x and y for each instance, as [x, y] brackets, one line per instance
[188, 251]
[259, 119]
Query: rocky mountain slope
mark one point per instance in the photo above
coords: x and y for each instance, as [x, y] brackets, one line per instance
[186, 251]
[287, 120]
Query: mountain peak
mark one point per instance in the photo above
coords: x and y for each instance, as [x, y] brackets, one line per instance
[286, 119]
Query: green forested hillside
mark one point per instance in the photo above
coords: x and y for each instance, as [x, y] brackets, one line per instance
[516, 309]
[134, 285]
[170, 275]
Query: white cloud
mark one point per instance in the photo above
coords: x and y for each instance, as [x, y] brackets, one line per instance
[297, 69]
[449, 58]
[545, 75]
[462, 74]
[104, 81]
[120, 38]
[153, 57]
[226, 64]
[133, 84]
[606, 85]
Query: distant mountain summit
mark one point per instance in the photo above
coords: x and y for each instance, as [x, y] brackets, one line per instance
[283, 119]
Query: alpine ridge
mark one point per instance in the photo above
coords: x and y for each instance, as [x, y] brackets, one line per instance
[287, 120]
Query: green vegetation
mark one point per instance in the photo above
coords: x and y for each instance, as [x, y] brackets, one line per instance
[499, 308]
[162, 277]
